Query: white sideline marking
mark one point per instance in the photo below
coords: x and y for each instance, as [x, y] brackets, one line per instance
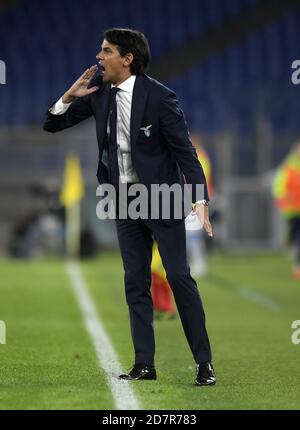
[258, 298]
[122, 392]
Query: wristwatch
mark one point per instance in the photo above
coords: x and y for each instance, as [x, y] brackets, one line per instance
[204, 202]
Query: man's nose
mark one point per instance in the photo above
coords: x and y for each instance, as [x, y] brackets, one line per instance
[99, 57]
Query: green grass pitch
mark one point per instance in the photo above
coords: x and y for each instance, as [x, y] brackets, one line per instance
[49, 362]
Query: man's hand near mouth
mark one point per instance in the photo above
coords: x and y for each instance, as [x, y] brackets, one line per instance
[80, 87]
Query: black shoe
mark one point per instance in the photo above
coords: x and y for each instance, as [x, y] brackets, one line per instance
[140, 372]
[205, 374]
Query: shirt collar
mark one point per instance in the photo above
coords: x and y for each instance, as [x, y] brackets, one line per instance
[127, 85]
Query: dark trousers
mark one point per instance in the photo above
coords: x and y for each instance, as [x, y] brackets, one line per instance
[135, 240]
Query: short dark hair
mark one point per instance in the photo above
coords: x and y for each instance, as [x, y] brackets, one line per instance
[131, 41]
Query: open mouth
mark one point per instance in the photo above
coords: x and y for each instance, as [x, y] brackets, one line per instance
[101, 68]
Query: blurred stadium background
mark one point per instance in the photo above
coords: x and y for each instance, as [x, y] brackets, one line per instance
[229, 61]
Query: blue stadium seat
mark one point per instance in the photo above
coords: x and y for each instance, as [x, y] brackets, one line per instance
[53, 42]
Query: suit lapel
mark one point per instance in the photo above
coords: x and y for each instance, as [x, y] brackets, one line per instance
[139, 97]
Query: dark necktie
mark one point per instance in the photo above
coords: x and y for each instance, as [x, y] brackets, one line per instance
[112, 140]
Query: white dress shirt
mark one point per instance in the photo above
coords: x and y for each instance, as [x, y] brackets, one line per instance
[124, 101]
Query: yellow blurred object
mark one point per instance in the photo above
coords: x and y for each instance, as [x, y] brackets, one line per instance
[71, 193]
[162, 296]
[286, 186]
[206, 165]
[157, 266]
[73, 187]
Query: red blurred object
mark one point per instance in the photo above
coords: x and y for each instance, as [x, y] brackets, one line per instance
[162, 294]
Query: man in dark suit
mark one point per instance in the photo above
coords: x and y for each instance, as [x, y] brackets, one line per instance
[143, 139]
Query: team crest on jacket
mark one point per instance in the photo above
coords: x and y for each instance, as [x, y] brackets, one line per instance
[146, 130]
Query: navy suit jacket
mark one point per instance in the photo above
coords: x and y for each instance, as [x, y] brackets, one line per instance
[166, 156]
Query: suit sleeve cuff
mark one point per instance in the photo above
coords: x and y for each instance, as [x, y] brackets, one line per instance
[59, 108]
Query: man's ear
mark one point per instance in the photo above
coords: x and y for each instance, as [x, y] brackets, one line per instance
[128, 59]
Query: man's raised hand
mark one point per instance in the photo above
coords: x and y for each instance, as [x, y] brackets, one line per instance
[80, 87]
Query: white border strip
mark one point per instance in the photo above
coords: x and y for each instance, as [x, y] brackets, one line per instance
[259, 298]
[122, 392]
